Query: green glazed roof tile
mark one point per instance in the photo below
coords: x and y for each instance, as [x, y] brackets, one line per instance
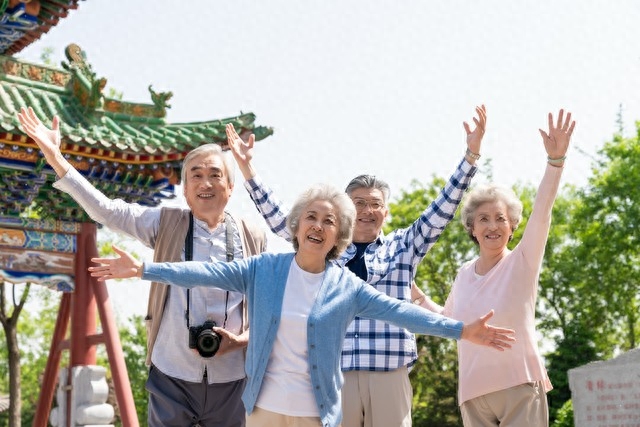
[126, 149]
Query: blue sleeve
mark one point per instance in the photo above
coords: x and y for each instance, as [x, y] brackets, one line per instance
[373, 304]
[230, 276]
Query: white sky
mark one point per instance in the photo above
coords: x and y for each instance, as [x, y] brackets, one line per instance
[379, 87]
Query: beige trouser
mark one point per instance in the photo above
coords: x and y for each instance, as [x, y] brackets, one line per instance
[377, 399]
[522, 405]
[263, 418]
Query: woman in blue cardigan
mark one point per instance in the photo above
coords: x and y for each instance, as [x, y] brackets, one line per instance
[300, 305]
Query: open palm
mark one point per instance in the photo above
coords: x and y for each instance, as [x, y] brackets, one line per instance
[47, 139]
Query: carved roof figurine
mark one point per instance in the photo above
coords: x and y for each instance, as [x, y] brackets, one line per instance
[125, 149]
[160, 100]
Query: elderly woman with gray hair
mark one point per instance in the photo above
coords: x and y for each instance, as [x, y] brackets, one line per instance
[509, 388]
[300, 305]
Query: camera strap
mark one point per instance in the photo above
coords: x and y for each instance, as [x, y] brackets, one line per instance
[188, 256]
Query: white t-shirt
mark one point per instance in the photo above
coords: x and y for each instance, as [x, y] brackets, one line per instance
[286, 388]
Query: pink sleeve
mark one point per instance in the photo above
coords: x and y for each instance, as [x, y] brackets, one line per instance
[535, 235]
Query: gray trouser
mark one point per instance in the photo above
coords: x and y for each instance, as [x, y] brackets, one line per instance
[174, 402]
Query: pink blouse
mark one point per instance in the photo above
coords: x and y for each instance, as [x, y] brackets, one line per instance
[510, 288]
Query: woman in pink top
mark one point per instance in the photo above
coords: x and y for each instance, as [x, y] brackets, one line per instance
[506, 388]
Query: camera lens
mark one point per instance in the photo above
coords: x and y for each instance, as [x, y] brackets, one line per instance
[208, 341]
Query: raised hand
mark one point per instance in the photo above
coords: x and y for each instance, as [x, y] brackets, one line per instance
[122, 267]
[242, 151]
[556, 142]
[474, 137]
[479, 332]
[47, 139]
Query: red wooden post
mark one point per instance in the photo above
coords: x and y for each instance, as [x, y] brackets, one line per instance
[111, 338]
[83, 320]
[88, 298]
[51, 370]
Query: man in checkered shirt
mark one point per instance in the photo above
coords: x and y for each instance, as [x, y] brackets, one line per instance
[376, 356]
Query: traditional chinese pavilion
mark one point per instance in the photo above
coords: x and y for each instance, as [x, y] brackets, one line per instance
[126, 149]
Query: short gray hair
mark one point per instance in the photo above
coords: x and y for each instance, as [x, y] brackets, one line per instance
[346, 215]
[369, 181]
[207, 149]
[489, 193]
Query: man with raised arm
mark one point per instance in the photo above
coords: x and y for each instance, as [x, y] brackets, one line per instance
[196, 377]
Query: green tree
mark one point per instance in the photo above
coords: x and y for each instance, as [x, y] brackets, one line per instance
[565, 416]
[9, 315]
[34, 333]
[608, 236]
[574, 348]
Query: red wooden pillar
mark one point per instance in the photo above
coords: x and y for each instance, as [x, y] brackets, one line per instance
[52, 368]
[83, 320]
[111, 337]
[88, 298]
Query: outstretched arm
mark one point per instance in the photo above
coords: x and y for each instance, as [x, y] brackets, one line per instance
[126, 266]
[47, 139]
[372, 304]
[228, 276]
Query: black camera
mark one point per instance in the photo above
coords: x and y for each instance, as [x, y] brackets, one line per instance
[204, 339]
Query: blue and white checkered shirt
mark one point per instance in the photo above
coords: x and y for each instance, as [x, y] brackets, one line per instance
[391, 261]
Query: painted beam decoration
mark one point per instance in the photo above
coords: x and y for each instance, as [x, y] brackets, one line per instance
[39, 252]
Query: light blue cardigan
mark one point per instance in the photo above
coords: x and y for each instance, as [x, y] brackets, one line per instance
[342, 297]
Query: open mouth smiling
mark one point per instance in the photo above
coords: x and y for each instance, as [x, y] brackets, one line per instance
[315, 239]
[366, 219]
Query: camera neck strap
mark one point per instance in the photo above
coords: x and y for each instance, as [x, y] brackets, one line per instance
[188, 256]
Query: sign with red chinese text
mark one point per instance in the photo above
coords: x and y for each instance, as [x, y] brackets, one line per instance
[607, 394]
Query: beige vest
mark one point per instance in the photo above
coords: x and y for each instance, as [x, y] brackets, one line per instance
[174, 224]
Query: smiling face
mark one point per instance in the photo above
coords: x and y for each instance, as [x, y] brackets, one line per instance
[371, 211]
[206, 187]
[317, 230]
[491, 226]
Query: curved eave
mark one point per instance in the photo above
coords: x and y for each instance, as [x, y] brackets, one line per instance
[51, 12]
